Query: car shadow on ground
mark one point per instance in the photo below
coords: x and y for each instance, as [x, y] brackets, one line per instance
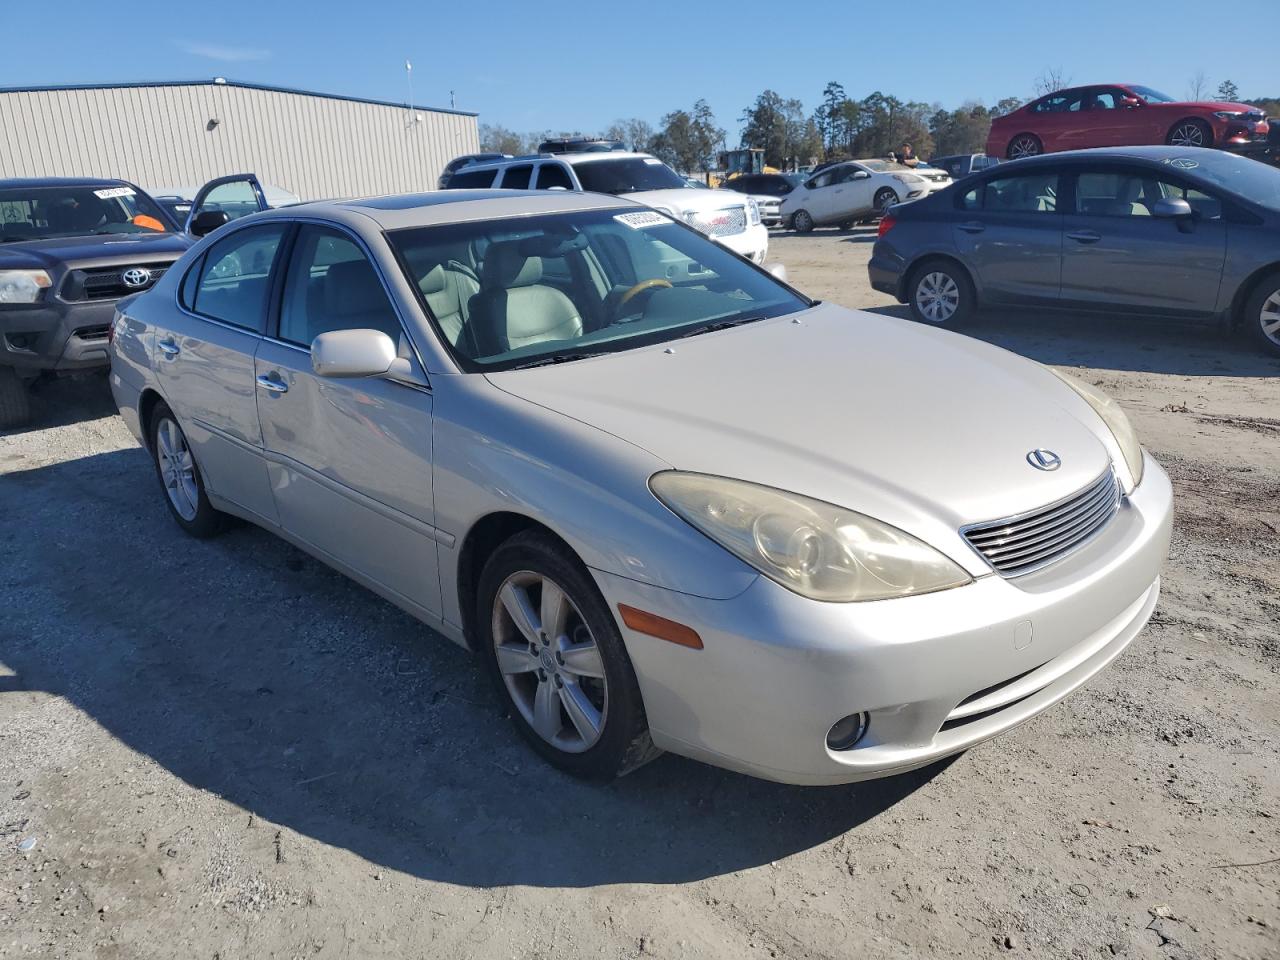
[1139, 345]
[59, 401]
[247, 669]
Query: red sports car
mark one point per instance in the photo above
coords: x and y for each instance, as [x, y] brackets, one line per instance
[1122, 115]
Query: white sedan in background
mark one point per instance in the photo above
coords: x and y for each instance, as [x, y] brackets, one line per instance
[856, 190]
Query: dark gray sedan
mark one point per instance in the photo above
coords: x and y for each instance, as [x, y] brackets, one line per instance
[1173, 232]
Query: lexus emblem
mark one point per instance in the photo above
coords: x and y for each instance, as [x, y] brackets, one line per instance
[1043, 459]
[136, 277]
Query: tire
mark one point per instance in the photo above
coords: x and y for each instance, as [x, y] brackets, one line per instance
[1024, 145]
[845, 224]
[802, 222]
[884, 199]
[941, 294]
[15, 402]
[590, 724]
[1262, 314]
[179, 477]
[1190, 132]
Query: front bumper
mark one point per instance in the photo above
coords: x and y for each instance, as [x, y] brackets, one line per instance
[752, 243]
[57, 335]
[937, 673]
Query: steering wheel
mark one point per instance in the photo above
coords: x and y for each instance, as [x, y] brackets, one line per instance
[640, 288]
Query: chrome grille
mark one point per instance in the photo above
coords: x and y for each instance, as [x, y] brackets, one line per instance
[107, 283]
[719, 223]
[1018, 545]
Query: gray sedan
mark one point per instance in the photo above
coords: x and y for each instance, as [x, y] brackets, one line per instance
[670, 502]
[1173, 232]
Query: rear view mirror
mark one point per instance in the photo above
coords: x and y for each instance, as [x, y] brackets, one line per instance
[1171, 208]
[207, 221]
[778, 271]
[352, 353]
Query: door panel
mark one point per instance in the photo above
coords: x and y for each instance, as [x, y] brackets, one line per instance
[1010, 233]
[237, 196]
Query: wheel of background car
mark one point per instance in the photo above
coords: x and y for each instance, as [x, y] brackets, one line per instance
[1262, 314]
[180, 477]
[940, 294]
[15, 403]
[885, 198]
[1024, 145]
[1190, 133]
[845, 224]
[652, 283]
[555, 654]
[801, 221]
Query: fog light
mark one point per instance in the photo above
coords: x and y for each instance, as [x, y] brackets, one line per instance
[845, 734]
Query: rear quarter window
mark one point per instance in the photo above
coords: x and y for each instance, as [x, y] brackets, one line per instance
[473, 179]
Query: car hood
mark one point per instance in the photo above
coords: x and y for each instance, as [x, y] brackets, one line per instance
[1217, 105]
[921, 428]
[100, 250]
[687, 199]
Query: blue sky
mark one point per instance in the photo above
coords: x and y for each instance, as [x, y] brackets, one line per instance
[568, 65]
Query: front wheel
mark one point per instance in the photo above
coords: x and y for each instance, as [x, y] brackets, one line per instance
[180, 477]
[1024, 145]
[1262, 314]
[885, 198]
[940, 294]
[1190, 133]
[557, 657]
[15, 403]
[802, 222]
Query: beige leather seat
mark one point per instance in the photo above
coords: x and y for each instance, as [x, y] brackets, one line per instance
[1128, 204]
[513, 309]
[448, 290]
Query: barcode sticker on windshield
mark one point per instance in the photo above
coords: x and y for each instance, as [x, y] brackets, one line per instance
[114, 192]
[638, 221]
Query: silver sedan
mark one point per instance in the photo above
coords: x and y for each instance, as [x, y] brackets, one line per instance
[671, 503]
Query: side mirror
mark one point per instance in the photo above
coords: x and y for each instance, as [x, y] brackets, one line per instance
[1130, 102]
[861, 175]
[1171, 208]
[778, 271]
[207, 221]
[352, 353]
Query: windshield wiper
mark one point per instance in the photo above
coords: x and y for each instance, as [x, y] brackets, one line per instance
[554, 358]
[718, 325]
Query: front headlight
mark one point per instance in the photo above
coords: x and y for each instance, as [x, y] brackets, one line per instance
[1228, 114]
[816, 549]
[907, 178]
[753, 212]
[1116, 422]
[22, 286]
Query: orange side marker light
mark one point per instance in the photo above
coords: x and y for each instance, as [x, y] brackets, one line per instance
[660, 627]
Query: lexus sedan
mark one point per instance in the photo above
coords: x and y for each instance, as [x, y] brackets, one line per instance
[1177, 233]
[661, 494]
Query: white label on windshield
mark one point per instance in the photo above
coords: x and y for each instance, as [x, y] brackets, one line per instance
[653, 161]
[114, 192]
[638, 221]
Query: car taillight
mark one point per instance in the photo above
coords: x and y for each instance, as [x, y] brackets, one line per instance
[887, 223]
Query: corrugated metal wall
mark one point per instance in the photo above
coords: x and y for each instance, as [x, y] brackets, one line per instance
[157, 136]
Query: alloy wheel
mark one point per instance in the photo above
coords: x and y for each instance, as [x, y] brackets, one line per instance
[550, 663]
[884, 200]
[937, 297]
[1024, 146]
[177, 469]
[1187, 135]
[802, 222]
[1269, 318]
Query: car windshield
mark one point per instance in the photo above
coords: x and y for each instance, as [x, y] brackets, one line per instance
[43, 212]
[1248, 179]
[1152, 96]
[545, 289]
[627, 175]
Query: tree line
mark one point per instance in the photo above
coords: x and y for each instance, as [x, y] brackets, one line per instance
[840, 127]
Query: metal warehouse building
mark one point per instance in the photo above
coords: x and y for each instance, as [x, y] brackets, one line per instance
[185, 133]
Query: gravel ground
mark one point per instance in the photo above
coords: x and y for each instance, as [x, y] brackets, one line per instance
[224, 750]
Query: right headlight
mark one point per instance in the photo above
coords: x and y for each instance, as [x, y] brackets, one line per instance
[815, 549]
[22, 286]
[1116, 422]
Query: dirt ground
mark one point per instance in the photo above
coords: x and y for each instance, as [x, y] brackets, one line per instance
[224, 750]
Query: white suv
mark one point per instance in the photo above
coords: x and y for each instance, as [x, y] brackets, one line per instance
[732, 221]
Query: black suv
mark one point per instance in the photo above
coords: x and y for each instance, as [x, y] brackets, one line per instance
[70, 248]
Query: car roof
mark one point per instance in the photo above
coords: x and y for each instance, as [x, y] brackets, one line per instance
[450, 206]
[58, 182]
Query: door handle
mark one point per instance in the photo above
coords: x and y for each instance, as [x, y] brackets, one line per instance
[1085, 236]
[169, 348]
[270, 382]
[973, 226]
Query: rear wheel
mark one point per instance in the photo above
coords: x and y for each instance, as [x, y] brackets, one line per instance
[1190, 133]
[556, 655]
[180, 478]
[1262, 314]
[801, 222]
[940, 294]
[15, 402]
[1024, 145]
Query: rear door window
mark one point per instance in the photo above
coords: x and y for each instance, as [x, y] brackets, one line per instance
[517, 178]
[233, 279]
